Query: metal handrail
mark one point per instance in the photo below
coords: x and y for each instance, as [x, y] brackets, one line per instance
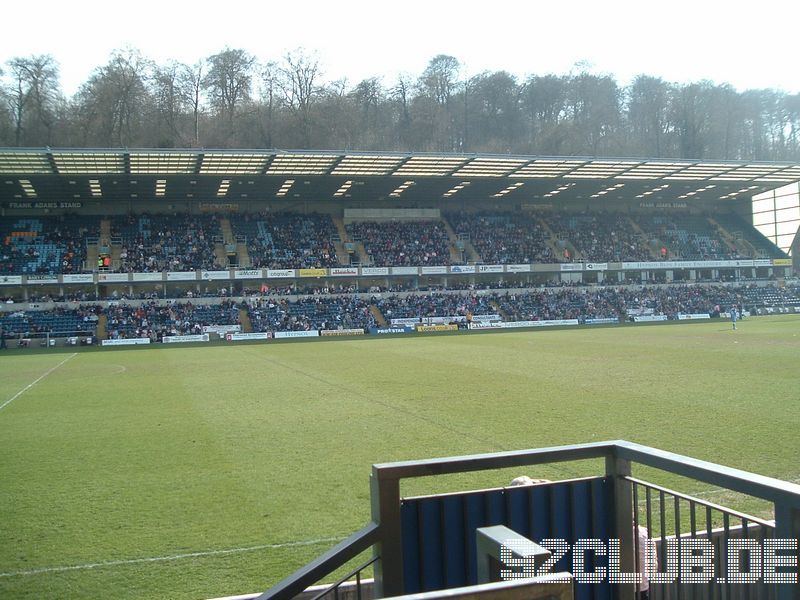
[355, 572]
[331, 560]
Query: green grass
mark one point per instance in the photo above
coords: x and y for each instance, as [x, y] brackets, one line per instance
[128, 454]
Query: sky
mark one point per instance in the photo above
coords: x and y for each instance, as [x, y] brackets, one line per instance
[746, 44]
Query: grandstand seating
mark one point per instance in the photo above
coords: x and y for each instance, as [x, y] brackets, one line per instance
[174, 318]
[736, 225]
[179, 242]
[306, 314]
[599, 237]
[685, 236]
[287, 240]
[45, 245]
[434, 305]
[156, 318]
[61, 321]
[503, 238]
[403, 243]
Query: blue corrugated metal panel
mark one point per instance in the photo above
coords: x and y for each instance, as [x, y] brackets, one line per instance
[432, 546]
[474, 510]
[601, 526]
[439, 547]
[455, 541]
[411, 556]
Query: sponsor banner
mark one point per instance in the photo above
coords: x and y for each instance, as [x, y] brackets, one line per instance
[487, 325]
[344, 271]
[312, 272]
[649, 318]
[490, 268]
[503, 325]
[405, 321]
[211, 275]
[10, 279]
[693, 316]
[44, 205]
[125, 342]
[405, 271]
[434, 270]
[112, 277]
[280, 273]
[183, 339]
[222, 329]
[338, 332]
[262, 335]
[687, 264]
[601, 321]
[553, 323]
[390, 330]
[79, 278]
[431, 328]
[518, 268]
[571, 266]
[782, 262]
[148, 276]
[462, 269]
[597, 266]
[248, 274]
[374, 271]
[483, 318]
[42, 278]
[295, 334]
[727, 315]
[181, 276]
[762, 262]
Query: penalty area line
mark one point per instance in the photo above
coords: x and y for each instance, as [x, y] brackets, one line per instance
[30, 385]
[152, 559]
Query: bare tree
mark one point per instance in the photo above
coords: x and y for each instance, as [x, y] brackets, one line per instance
[297, 81]
[229, 82]
[191, 86]
[33, 98]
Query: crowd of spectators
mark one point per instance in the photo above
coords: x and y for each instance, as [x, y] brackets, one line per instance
[599, 237]
[503, 238]
[59, 320]
[180, 242]
[311, 313]
[288, 240]
[45, 245]
[154, 320]
[685, 236]
[408, 243]
[420, 306]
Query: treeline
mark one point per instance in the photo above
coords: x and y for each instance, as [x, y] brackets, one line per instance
[233, 100]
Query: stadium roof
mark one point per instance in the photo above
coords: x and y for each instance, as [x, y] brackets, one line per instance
[51, 174]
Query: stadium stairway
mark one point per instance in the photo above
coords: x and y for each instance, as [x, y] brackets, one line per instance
[655, 249]
[379, 318]
[500, 311]
[740, 245]
[552, 242]
[244, 320]
[470, 255]
[243, 256]
[102, 327]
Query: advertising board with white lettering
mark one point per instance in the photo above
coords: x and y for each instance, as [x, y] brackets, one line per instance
[126, 342]
[256, 335]
[184, 339]
[278, 335]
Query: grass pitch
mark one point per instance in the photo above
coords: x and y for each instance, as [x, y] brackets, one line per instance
[206, 471]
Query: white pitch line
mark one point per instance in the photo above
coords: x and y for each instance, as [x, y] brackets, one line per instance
[30, 385]
[133, 561]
